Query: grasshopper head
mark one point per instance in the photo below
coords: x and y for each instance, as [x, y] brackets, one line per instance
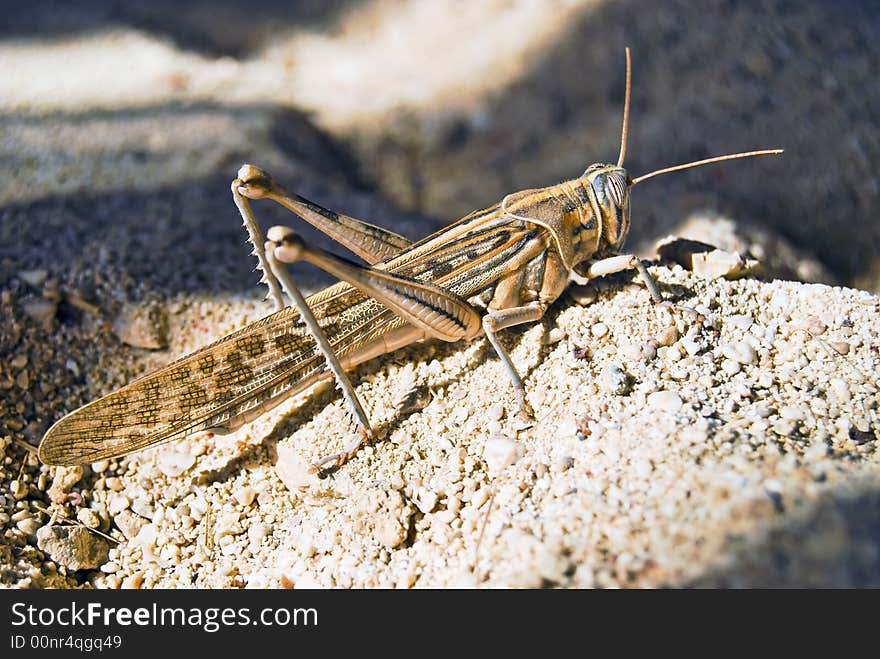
[608, 188]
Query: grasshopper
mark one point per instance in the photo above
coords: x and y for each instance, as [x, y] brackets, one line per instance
[493, 269]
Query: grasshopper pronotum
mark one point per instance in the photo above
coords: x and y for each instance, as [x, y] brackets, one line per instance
[493, 269]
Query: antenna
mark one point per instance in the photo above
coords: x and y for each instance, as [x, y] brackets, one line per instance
[625, 127]
[707, 161]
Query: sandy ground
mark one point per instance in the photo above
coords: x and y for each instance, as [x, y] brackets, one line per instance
[737, 450]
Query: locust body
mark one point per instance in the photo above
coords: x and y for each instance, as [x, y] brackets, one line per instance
[492, 269]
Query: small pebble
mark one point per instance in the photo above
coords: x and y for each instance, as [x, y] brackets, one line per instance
[718, 263]
[28, 526]
[791, 412]
[143, 326]
[501, 452]
[614, 380]
[668, 336]
[118, 503]
[174, 463]
[730, 367]
[740, 321]
[555, 335]
[293, 471]
[19, 362]
[245, 495]
[426, 501]
[599, 330]
[691, 346]
[143, 508]
[129, 523]
[667, 401]
[133, 581]
[73, 546]
[33, 278]
[815, 326]
[18, 490]
[741, 352]
[88, 517]
[115, 483]
[42, 311]
[840, 389]
[257, 533]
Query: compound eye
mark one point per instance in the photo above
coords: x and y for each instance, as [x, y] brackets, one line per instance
[617, 187]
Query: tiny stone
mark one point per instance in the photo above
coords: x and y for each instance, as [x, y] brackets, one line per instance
[691, 346]
[19, 362]
[389, 532]
[129, 523]
[257, 533]
[840, 389]
[667, 401]
[293, 471]
[599, 330]
[815, 326]
[717, 264]
[228, 525]
[143, 508]
[245, 495]
[791, 413]
[33, 278]
[118, 503]
[840, 347]
[740, 321]
[426, 501]
[668, 336]
[65, 479]
[175, 463]
[18, 490]
[115, 484]
[22, 380]
[495, 412]
[133, 581]
[42, 311]
[614, 380]
[73, 546]
[88, 517]
[555, 335]
[28, 526]
[501, 452]
[143, 326]
[100, 467]
[741, 352]
[730, 367]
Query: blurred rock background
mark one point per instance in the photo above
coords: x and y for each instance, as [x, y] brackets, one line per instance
[122, 123]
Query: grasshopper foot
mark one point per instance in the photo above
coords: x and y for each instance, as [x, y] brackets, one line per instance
[673, 308]
[336, 460]
[524, 411]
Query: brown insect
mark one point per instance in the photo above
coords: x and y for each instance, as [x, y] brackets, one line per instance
[493, 269]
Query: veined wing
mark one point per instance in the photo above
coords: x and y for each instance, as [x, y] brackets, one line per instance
[273, 356]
